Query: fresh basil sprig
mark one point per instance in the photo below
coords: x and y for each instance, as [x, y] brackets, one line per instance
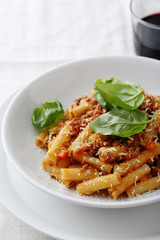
[98, 95]
[127, 95]
[120, 122]
[47, 114]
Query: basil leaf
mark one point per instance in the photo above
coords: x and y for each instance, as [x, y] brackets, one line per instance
[127, 95]
[108, 80]
[98, 95]
[120, 122]
[47, 114]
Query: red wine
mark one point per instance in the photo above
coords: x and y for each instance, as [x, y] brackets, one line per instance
[154, 19]
[147, 37]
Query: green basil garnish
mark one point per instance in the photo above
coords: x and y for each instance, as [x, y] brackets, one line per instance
[48, 114]
[127, 95]
[98, 95]
[120, 122]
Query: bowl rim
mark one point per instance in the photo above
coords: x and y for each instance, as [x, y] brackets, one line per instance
[20, 170]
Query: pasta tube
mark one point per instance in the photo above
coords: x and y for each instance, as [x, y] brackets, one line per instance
[98, 183]
[58, 142]
[78, 174]
[126, 167]
[56, 172]
[129, 180]
[144, 186]
[94, 162]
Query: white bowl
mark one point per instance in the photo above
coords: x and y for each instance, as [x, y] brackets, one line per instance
[42, 211]
[67, 83]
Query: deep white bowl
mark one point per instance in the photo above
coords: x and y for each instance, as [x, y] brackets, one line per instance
[67, 83]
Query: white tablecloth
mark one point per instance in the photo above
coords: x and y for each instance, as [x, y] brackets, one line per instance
[37, 35]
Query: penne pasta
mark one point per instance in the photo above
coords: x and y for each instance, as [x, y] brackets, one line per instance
[98, 183]
[56, 172]
[144, 186]
[94, 162]
[64, 136]
[82, 137]
[42, 140]
[126, 167]
[111, 154]
[78, 174]
[82, 108]
[129, 180]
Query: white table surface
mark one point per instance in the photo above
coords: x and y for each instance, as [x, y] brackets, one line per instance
[37, 35]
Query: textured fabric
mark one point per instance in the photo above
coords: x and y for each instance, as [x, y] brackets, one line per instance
[36, 35]
[11, 228]
[45, 30]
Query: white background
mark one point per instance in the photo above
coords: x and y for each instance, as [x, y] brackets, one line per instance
[37, 35]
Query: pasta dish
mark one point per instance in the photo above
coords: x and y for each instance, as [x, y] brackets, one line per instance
[108, 140]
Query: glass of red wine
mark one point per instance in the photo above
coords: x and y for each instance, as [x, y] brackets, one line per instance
[146, 27]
